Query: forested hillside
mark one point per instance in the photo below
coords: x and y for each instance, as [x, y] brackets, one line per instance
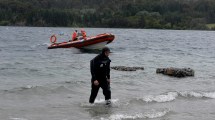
[161, 14]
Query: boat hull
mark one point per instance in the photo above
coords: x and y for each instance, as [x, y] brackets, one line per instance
[96, 46]
[94, 42]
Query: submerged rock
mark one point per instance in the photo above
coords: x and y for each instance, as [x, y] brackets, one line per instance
[176, 72]
[124, 68]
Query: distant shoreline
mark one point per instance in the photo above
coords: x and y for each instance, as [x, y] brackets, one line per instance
[137, 14]
[107, 28]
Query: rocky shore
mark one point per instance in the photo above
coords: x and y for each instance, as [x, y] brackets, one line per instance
[176, 72]
[124, 68]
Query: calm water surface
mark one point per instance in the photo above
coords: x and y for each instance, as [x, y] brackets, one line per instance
[41, 84]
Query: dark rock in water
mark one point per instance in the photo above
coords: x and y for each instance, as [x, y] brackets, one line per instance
[124, 68]
[176, 72]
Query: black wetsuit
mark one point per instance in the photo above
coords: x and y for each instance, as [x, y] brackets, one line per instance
[100, 70]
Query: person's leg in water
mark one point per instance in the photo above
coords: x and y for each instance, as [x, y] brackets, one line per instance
[106, 92]
[94, 92]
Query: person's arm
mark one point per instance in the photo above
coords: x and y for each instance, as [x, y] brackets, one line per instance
[92, 70]
[108, 71]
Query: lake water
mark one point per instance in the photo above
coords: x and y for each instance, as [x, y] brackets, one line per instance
[37, 83]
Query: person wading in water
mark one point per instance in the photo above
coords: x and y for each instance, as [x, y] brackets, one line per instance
[100, 71]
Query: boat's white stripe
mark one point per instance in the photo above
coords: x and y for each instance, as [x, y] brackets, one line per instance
[96, 46]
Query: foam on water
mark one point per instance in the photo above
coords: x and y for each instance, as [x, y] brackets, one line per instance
[98, 102]
[171, 96]
[151, 115]
[161, 98]
[198, 94]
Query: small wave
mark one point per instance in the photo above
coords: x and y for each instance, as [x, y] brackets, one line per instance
[151, 115]
[198, 94]
[11, 64]
[100, 102]
[161, 98]
[41, 45]
[39, 90]
[171, 96]
[119, 49]
[7, 68]
[21, 89]
[18, 63]
[61, 89]
[197, 48]
[28, 87]
[31, 69]
[74, 82]
[18, 119]
[165, 49]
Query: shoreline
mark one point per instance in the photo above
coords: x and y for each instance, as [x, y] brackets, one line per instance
[107, 28]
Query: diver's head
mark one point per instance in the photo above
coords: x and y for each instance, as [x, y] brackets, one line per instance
[106, 51]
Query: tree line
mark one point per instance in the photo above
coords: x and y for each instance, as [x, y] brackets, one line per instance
[158, 14]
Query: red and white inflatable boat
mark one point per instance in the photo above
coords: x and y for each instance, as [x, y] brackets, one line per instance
[93, 42]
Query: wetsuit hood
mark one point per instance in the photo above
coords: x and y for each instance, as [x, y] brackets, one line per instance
[105, 49]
